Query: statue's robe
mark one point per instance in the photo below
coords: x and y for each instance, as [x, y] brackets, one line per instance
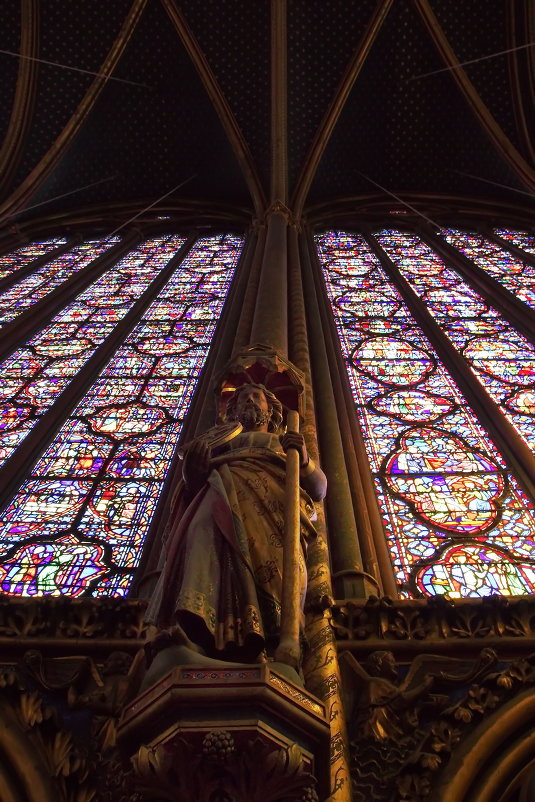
[222, 579]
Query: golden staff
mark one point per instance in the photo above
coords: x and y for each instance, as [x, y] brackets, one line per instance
[288, 650]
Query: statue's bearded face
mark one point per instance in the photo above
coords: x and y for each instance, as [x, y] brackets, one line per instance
[252, 408]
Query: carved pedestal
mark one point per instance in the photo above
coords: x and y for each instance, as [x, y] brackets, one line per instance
[227, 735]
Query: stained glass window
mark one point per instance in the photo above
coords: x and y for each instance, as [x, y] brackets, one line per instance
[35, 374]
[78, 522]
[515, 274]
[519, 238]
[456, 519]
[12, 262]
[501, 358]
[38, 284]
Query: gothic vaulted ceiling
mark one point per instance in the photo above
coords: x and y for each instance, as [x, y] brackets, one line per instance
[119, 104]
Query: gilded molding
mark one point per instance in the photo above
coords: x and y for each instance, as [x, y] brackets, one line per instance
[321, 667]
[244, 730]
[63, 625]
[407, 626]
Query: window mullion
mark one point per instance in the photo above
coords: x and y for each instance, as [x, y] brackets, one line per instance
[514, 310]
[16, 466]
[8, 281]
[39, 314]
[335, 402]
[511, 247]
[201, 415]
[511, 445]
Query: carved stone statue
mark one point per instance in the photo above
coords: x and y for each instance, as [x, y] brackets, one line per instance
[219, 593]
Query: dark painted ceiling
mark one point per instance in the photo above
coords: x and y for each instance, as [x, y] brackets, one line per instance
[411, 132]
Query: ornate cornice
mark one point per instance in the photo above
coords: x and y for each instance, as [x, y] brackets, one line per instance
[409, 626]
[63, 625]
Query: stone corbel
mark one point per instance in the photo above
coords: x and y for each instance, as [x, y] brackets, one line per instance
[238, 733]
[40, 760]
[179, 772]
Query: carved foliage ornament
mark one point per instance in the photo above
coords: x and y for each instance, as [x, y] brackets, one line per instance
[176, 771]
[384, 622]
[404, 732]
[40, 760]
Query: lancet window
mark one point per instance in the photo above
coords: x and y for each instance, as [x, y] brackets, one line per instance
[116, 370]
[12, 263]
[42, 281]
[458, 521]
[501, 358]
[515, 273]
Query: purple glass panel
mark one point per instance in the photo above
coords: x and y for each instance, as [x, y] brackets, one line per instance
[34, 375]
[516, 275]
[35, 286]
[11, 262]
[441, 483]
[78, 524]
[502, 359]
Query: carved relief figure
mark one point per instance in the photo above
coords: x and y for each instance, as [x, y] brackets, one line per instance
[380, 704]
[221, 582]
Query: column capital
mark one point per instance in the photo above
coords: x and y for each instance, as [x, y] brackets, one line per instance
[278, 207]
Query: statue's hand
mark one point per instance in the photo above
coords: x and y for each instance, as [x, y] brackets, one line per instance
[196, 465]
[311, 477]
[295, 440]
